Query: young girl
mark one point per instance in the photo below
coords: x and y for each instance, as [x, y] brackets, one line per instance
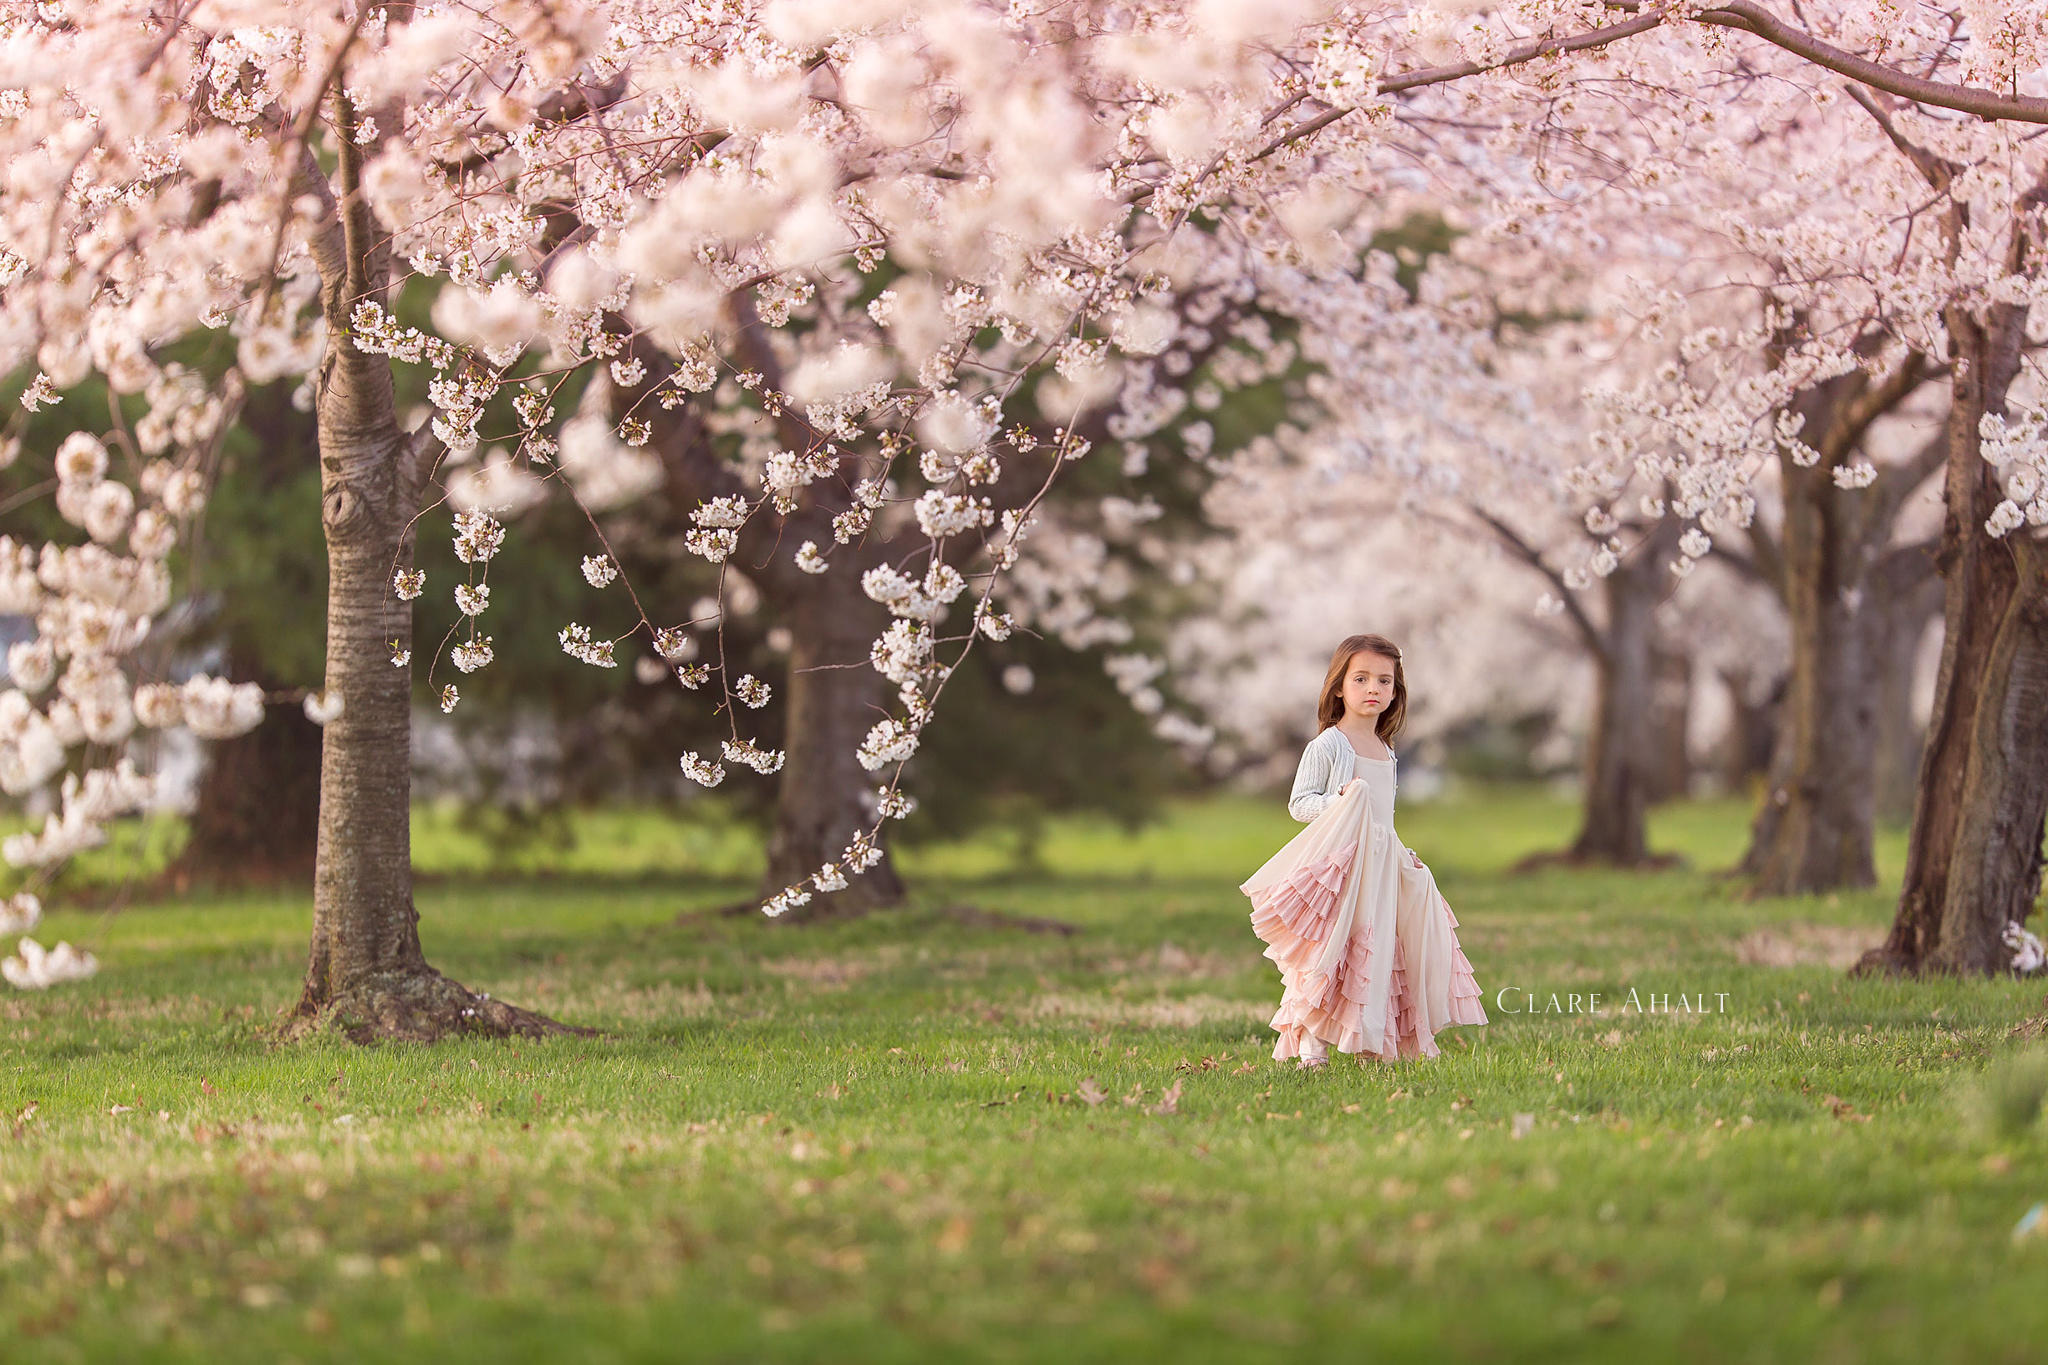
[1367, 947]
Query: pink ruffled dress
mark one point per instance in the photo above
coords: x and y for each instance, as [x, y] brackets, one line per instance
[1366, 945]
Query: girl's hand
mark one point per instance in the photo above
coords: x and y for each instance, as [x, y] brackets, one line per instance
[1345, 790]
[1416, 856]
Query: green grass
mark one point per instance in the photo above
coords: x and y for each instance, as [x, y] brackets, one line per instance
[866, 1142]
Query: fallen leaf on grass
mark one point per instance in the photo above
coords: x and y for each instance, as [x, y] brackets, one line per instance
[1169, 1101]
[93, 1205]
[1090, 1093]
[1843, 1110]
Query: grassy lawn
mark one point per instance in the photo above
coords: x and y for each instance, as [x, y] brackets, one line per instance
[874, 1141]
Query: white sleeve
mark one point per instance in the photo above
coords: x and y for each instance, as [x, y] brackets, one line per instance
[1312, 781]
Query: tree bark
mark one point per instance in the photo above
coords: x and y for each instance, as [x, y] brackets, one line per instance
[833, 696]
[365, 971]
[257, 813]
[1909, 597]
[1621, 760]
[1813, 832]
[257, 810]
[1671, 684]
[1974, 854]
[1752, 736]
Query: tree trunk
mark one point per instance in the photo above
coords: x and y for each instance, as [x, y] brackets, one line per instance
[1752, 736]
[365, 971]
[1621, 758]
[257, 814]
[1671, 765]
[822, 800]
[1813, 832]
[257, 811]
[1909, 597]
[1973, 858]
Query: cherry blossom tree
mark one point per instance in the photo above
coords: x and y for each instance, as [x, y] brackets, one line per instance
[1974, 861]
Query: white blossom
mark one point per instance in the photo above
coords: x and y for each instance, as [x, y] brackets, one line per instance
[20, 913]
[701, 771]
[748, 754]
[471, 654]
[888, 741]
[31, 968]
[478, 537]
[715, 546]
[941, 514]
[578, 644]
[215, 708]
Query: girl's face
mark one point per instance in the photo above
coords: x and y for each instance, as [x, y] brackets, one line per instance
[1368, 685]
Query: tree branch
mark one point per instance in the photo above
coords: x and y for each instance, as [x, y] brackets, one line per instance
[1769, 556]
[1589, 634]
[1897, 482]
[1750, 17]
[1853, 417]
[1935, 170]
[1742, 15]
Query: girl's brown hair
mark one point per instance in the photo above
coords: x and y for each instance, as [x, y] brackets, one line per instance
[1330, 707]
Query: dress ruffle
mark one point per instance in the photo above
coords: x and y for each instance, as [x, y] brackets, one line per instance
[1330, 1007]
[1293, 916]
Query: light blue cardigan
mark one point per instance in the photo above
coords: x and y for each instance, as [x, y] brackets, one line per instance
[1325, 764]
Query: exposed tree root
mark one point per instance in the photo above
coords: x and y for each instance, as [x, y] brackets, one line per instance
[1571, 858]
[976, 917]
[1886, 961]
[418, 1007]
